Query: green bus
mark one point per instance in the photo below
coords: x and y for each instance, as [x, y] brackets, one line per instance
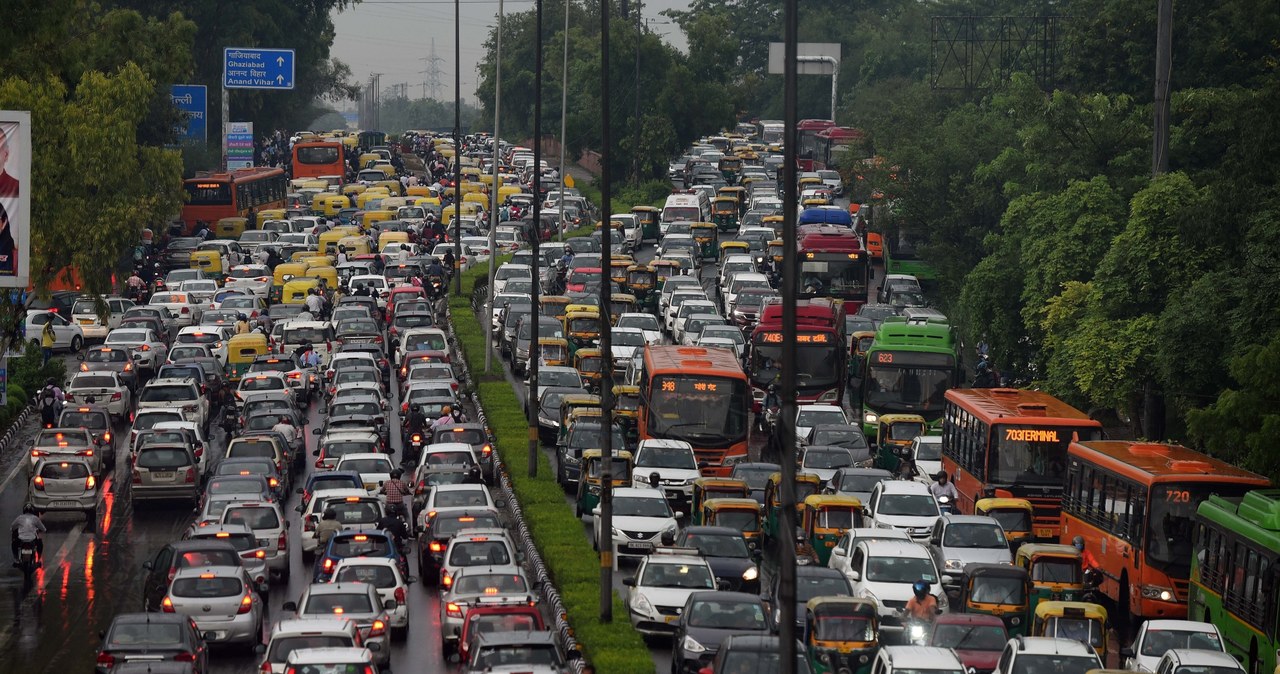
[901, 255]
[1235, 574]
[907, 370]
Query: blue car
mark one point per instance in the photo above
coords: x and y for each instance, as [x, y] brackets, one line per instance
[357, 543]
[330, 479]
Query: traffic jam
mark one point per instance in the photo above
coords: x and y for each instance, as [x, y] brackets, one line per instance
[265, 457]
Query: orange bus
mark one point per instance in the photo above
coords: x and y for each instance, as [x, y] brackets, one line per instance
[701, 396]
[1012, 443]
[1135, 506]
[215, 196]
[320, 159]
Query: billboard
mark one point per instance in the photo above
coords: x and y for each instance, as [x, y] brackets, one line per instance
[191, 100]
[239, 145]
[15, 198]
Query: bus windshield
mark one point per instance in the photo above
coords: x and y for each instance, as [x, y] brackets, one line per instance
[208, 193]
[1029, 455]
[317, 154]
[703, 410]
[818, 366]
[1171, 521]
[838, 275]
[905, 381]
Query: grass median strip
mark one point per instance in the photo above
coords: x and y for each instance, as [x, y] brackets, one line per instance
[615, 648]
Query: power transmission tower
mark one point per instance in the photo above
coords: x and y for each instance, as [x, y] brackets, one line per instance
[431, 83]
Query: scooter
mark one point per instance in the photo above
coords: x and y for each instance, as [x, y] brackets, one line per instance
[28, 560]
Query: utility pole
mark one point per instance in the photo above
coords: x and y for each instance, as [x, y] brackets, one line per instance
[606, 363]
[1164, 68]
[787, 441]
[635, 149]
[457, 141]
[493, 215]
[534, 347]
[564, 116]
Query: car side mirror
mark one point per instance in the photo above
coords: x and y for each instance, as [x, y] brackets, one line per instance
[595, 511]
[855, 576]
[375, 647]
[260, 649]
[80, 357]
[300, 508]
[148, 566]
[629, 582]
[1126, 652]
[839, 552]
[389, 604]
[315, 452]
[291, 606]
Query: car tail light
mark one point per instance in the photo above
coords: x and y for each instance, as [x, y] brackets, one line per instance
[190, 477]
[378, 628]
[446, 579]
[378, 339]
[453, 610]
[38, 482]
[186, 310]
[283, 543]
[106, 661]
[437, 546]
[308, 524]
[166, 605]
[128, 367]
[36, 453]
[69, 397]
[106, 437]
[185, 657]
[137, 477]
[328, 564]
[266, 667]
[84, 367]
[246, 604]
[486, 450]
[147, 347]
[400, 595]
[117, 396]
[89, 483]
[404, 409]
[84, 452]
[319, 464]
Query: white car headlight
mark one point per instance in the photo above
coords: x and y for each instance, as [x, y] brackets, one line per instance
[690, 644]
[751, 574]
[953, 565]
[641, 604]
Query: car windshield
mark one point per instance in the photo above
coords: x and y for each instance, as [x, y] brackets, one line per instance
[140, 635]
[518, 656]
[900, 569]
[836, 627]
[64, 470]
[645, 322]
[639, 506]
[850, 438]
[928, 451]
[366, 466]
[756, 478]
[107, 356]
[909, 505]
[689, 576]
[78, 419]
[1157, 642]
[1056, 570]
[53, 438]
[667, 457]
[366, 408]
[377, 575]
[825, 585]
[204, 587]
[489, 583]
[162, 458]
[283, 646]
[350, 513]
[234, 485]
[733, 615]
[167, 394]
[253, 517]
[241, 542]
[974, 536]
[447, 527]
[479, 553]
[359, 545]
[809, 418]
[718, 545]
[325, 604]
[860, 484]
[827, 458]
[964, 637]
[459, 498]
[1028, 663]
[127, 337]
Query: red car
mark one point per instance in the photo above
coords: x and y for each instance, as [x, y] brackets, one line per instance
[976, 638]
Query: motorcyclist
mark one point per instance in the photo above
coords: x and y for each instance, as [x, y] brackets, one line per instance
[435, 269]
[49, 402]
[327, 527]
[448, 416]
[984, 376]
[942, 487]
[315, 303]
[1087, 561]
[417, 422]
[922, 606]
[771, 401]
[398, 494]
[137, 286]
[284, 426]
[449, 261]
[242, 324]
[27, 528]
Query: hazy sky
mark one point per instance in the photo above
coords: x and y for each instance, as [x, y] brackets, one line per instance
[394, 37]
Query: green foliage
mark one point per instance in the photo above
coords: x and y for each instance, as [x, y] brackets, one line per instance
[1243, 426]
[401, 114]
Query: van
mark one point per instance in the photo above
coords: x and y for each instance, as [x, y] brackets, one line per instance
[684, 207]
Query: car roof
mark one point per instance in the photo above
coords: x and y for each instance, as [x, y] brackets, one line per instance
[1181, 625]
[894, 548]
[1053, 646]
[638, 492]
[1187, 656]
[922, 657]
[293, 626]
[344, 587]
[516, 638]
[970, 519]
[904, 487]
[199, 571]
[330, 655]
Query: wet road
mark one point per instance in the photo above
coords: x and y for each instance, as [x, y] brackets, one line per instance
[90, 576]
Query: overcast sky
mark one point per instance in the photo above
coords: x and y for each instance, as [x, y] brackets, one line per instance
[394, 37]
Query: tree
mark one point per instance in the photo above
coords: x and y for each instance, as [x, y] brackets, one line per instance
[1243, 426]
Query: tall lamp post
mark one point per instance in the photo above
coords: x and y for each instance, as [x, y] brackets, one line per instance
[534, 347]
[457, 142]
[493, 215]
[787, 439]
[606, 362]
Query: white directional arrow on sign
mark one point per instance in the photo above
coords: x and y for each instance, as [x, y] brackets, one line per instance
[280, 61]
[280, 79]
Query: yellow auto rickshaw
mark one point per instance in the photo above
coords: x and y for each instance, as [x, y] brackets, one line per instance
[714, 488]
[741, 514]
[591, 479]
[824, 520]
[588, 363]
[352, 190]
[841, 634]
[1001, 590]
[354, 245]
[573, 407]
[862, 341]
[230, 228]
[282, 274]
[368, 159]
[329, 240]
[649, 218]
[734, 248]
[269, 214]
[806, 485]
[724, 213]
[328, 276]
[582, 325]
[619, 304]
[209, 262]
[730, 167]
[663, 270]
[809, 181]
[417, 191]
[329, 204]
[370, 218]
[626, 408]
[296, 290]
[1075, 620]
[393, 187]
[776, 250]
[241, 352]
[1014, 516]
[476, 198]
[365, 200]
[706, 238]
[773, 222]
[894, 433]
[387, 238]
[1055, 571]
[553, 351]
[507, 191]
[553, 306]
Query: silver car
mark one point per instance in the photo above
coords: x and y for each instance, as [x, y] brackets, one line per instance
[253, 555]
[268, 525]
[358, 602]
[223, 601]
[65, 484]
[166, 471]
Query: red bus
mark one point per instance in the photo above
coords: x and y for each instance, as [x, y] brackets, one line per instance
[320, 159]
[1011, 442]
[833, 264]
[1135, 506]
[699, 395]
[230, 195]
[821, 352]
[833, 144]
[808, 150]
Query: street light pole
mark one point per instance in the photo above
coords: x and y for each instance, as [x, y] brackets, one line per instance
[493, 215]
[606, 394]
[787, 439]
[457, 144]
[564, 115]
[534, 348]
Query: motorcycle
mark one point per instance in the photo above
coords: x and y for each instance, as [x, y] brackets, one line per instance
[230, 420]
[28, 560]
[946, 505]
[915, 632]
[415, 445]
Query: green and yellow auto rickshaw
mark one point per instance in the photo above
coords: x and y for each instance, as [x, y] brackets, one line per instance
[663, 270]
[591, 480]
[648, 217]
[1055, 571]
[626, 410]
[619, 304]
[824, 519]
[841, 634]
[734, 247]
[776, 250]
[573, 407]
[739, 514]
[1014, 516]
[711, 488]
[724, 213]
[730, 167]
[582, 325]
[641, 283]
[588, 363]
[806, 485]
[894, 433]
[707, 239]
[1076, 620]
[554, 306]
[553, 351]
[1000, 590]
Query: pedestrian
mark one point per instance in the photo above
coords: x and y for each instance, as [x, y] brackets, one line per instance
[48, 338]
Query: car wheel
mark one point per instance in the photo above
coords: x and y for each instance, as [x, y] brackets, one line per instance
[77, 342]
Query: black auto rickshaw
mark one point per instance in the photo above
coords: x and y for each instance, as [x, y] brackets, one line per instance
[1000, 590]
[840, 634]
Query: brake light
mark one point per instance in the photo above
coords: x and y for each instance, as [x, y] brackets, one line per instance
[35, 453]
[319, 464]
[399, 595]
[106, 661]
[89, 483]
[128, 367]
[446, 580]
[378, 628]
[166, 605]
[186, 310]
[246, 604]
[84, 367]
[69, 397]
[273, 483]
[185, 657]
[190, 477]
[308, 524]
[147, 347]
[437, 546]
[417, 438]
[106, 437]
[283, 543]
[85, 452]
[39, 482]
[137, 477]
[486, 450]
[453, 610]
[116, 396]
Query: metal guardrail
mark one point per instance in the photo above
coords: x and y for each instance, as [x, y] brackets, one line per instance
[550, 596]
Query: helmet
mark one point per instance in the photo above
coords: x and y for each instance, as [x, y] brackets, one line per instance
[28, 509]
[773, 388]
[243, 317]
[308, 346]
[330, 514]
[982, 366]
[1078, 543]
[396, 473]
[920, 588]
[50, 382]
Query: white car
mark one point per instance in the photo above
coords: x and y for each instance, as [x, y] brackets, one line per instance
[507, 272]
[675, 464]
[451, 498]
[642, 520]
[905, 505]
[1156, 637]
[210, 336]
[626, 342]
[644, 322]
[374, 468]
[661, 587]
[927, 452]
[808, 416]
[724, 333]
[185, 312]
[375, 282]
[149, 351]
[500, 302]
[461, 262]
[202, 441]
[840, 554]
[105, 388]
[884, 571]
[85, 313]
[182, 395]
[384, 575]
[479, 246]
[252, 306]
[200, 291]
[66, 335]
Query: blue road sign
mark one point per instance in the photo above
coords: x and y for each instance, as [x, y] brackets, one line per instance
[192, 101]
[249, 68]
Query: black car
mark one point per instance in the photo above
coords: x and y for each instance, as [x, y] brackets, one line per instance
[756, 654]
[433, 540]
[811, 581]
[756, 475]
[473, 434]
[151, 637]
[726, 550]
[179, 555]
[707, 619]
[847, 436]
[549, 399]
